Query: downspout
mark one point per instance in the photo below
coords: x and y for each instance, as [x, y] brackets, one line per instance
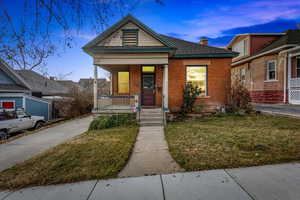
[284, 79]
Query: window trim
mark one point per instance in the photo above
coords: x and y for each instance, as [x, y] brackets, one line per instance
[206, 78]
[246, 48]
[267, 71]
[297, 64]
[118, 83]
[136, 31]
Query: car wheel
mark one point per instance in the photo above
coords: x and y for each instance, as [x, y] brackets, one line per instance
[38, 125]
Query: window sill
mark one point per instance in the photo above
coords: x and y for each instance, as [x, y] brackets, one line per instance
[270, 81]
[203, 97]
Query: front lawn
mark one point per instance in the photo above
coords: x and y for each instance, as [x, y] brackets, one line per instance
[96, 154]
[234, 141]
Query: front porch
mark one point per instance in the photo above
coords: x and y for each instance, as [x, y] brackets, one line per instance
[133, 86]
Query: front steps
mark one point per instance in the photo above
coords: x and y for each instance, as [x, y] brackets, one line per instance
[151, 117]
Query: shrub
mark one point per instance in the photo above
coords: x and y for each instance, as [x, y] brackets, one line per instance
[76, 104]
[190, 94]
[104, 122]
[239, 100]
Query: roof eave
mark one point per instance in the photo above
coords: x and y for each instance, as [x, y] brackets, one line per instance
[211, 55]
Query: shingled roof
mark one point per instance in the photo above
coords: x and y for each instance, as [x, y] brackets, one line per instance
[39, 83]
[178, 48]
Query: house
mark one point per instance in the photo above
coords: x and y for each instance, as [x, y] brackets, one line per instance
[70, 85]
[16, 93]
[42, 86]
[103, 85]
[151, 69]
[268, 65]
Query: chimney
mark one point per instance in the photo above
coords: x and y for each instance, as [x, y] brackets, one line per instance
[203, 41]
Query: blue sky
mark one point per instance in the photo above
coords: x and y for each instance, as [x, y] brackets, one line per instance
[219, 20]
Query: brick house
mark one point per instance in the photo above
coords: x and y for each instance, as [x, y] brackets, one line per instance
[268, 65]
[152, 68]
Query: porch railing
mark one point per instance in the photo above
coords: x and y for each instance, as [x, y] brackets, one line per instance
[118, 103]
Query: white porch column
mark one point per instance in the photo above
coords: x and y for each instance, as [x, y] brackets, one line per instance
[110, 85]
[289, 64]
[166, 88]
[95, 87]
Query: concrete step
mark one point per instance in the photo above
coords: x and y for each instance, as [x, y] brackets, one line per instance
[151, 118]
[151, 124]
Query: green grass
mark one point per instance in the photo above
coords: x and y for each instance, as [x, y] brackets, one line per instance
[92, 155]
[234, 141]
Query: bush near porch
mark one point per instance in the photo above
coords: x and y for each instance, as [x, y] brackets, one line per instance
[96, 154]
[231, 141]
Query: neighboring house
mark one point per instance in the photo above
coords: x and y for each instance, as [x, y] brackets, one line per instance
[15, 93]
[70, 85]
[42, 86]
[103, 85]
[268, 65]
[156, 67]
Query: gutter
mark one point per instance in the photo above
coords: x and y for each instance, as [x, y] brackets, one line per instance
[289, 50]
[262, 54]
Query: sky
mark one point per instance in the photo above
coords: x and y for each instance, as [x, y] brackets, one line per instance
[218, 20]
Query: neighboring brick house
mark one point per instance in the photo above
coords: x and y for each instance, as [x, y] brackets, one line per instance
[156, 67]
[268, 65]
[103, 85]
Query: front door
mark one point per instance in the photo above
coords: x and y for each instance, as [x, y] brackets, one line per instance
[148, 89]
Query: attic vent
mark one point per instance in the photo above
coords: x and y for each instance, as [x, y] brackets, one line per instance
[130, 37]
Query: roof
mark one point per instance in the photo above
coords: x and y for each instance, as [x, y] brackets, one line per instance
[246, 34]
[39, 83]
[291, 36]
[88, 82]
[177, 47]
[69, 84]
[191, 49]
[20, 83]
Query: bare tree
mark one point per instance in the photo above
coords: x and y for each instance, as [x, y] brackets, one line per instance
[31, 31]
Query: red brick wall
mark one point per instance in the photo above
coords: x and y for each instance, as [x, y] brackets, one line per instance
[259, 42]
[158, 85]
[218, 81]
[267, 96]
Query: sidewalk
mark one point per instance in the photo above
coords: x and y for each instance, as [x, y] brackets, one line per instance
[253, 183]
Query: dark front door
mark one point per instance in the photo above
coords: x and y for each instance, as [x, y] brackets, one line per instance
[148, 89]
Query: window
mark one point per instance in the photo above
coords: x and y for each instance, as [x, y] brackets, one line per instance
[7, 104]
[271, 70]
[123, 82]
[130, 37]
[298, 68]
[243, 75]
[197, 75]
[147, 69]
[241, 47]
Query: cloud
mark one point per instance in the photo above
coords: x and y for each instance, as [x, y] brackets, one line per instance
[212, 22]
[177, 35]
[279, 25]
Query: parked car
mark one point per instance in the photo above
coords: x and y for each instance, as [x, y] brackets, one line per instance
[13, 121]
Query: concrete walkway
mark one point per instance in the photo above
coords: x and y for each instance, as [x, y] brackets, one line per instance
[280, 182]
[279, 109]
[25, 147]
[150, 154]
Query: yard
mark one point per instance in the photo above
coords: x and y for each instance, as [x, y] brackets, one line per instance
[95, 154]
[234, 141]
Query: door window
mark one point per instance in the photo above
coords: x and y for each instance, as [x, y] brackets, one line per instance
[148, 82]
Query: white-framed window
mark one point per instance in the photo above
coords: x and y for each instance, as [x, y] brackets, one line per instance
[197, 76]
[298, 67]
[271, 70]
[241, 47]
[243, 75]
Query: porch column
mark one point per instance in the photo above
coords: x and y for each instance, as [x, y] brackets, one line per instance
[165, 88]
[95, 87]
[111, 84]
[289, 69]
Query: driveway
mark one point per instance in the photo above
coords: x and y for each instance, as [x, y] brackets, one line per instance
[282, 109]
[268, 182]
[25, 147]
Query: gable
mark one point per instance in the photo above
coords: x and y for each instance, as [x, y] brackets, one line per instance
[5, 79]
[144, 39]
